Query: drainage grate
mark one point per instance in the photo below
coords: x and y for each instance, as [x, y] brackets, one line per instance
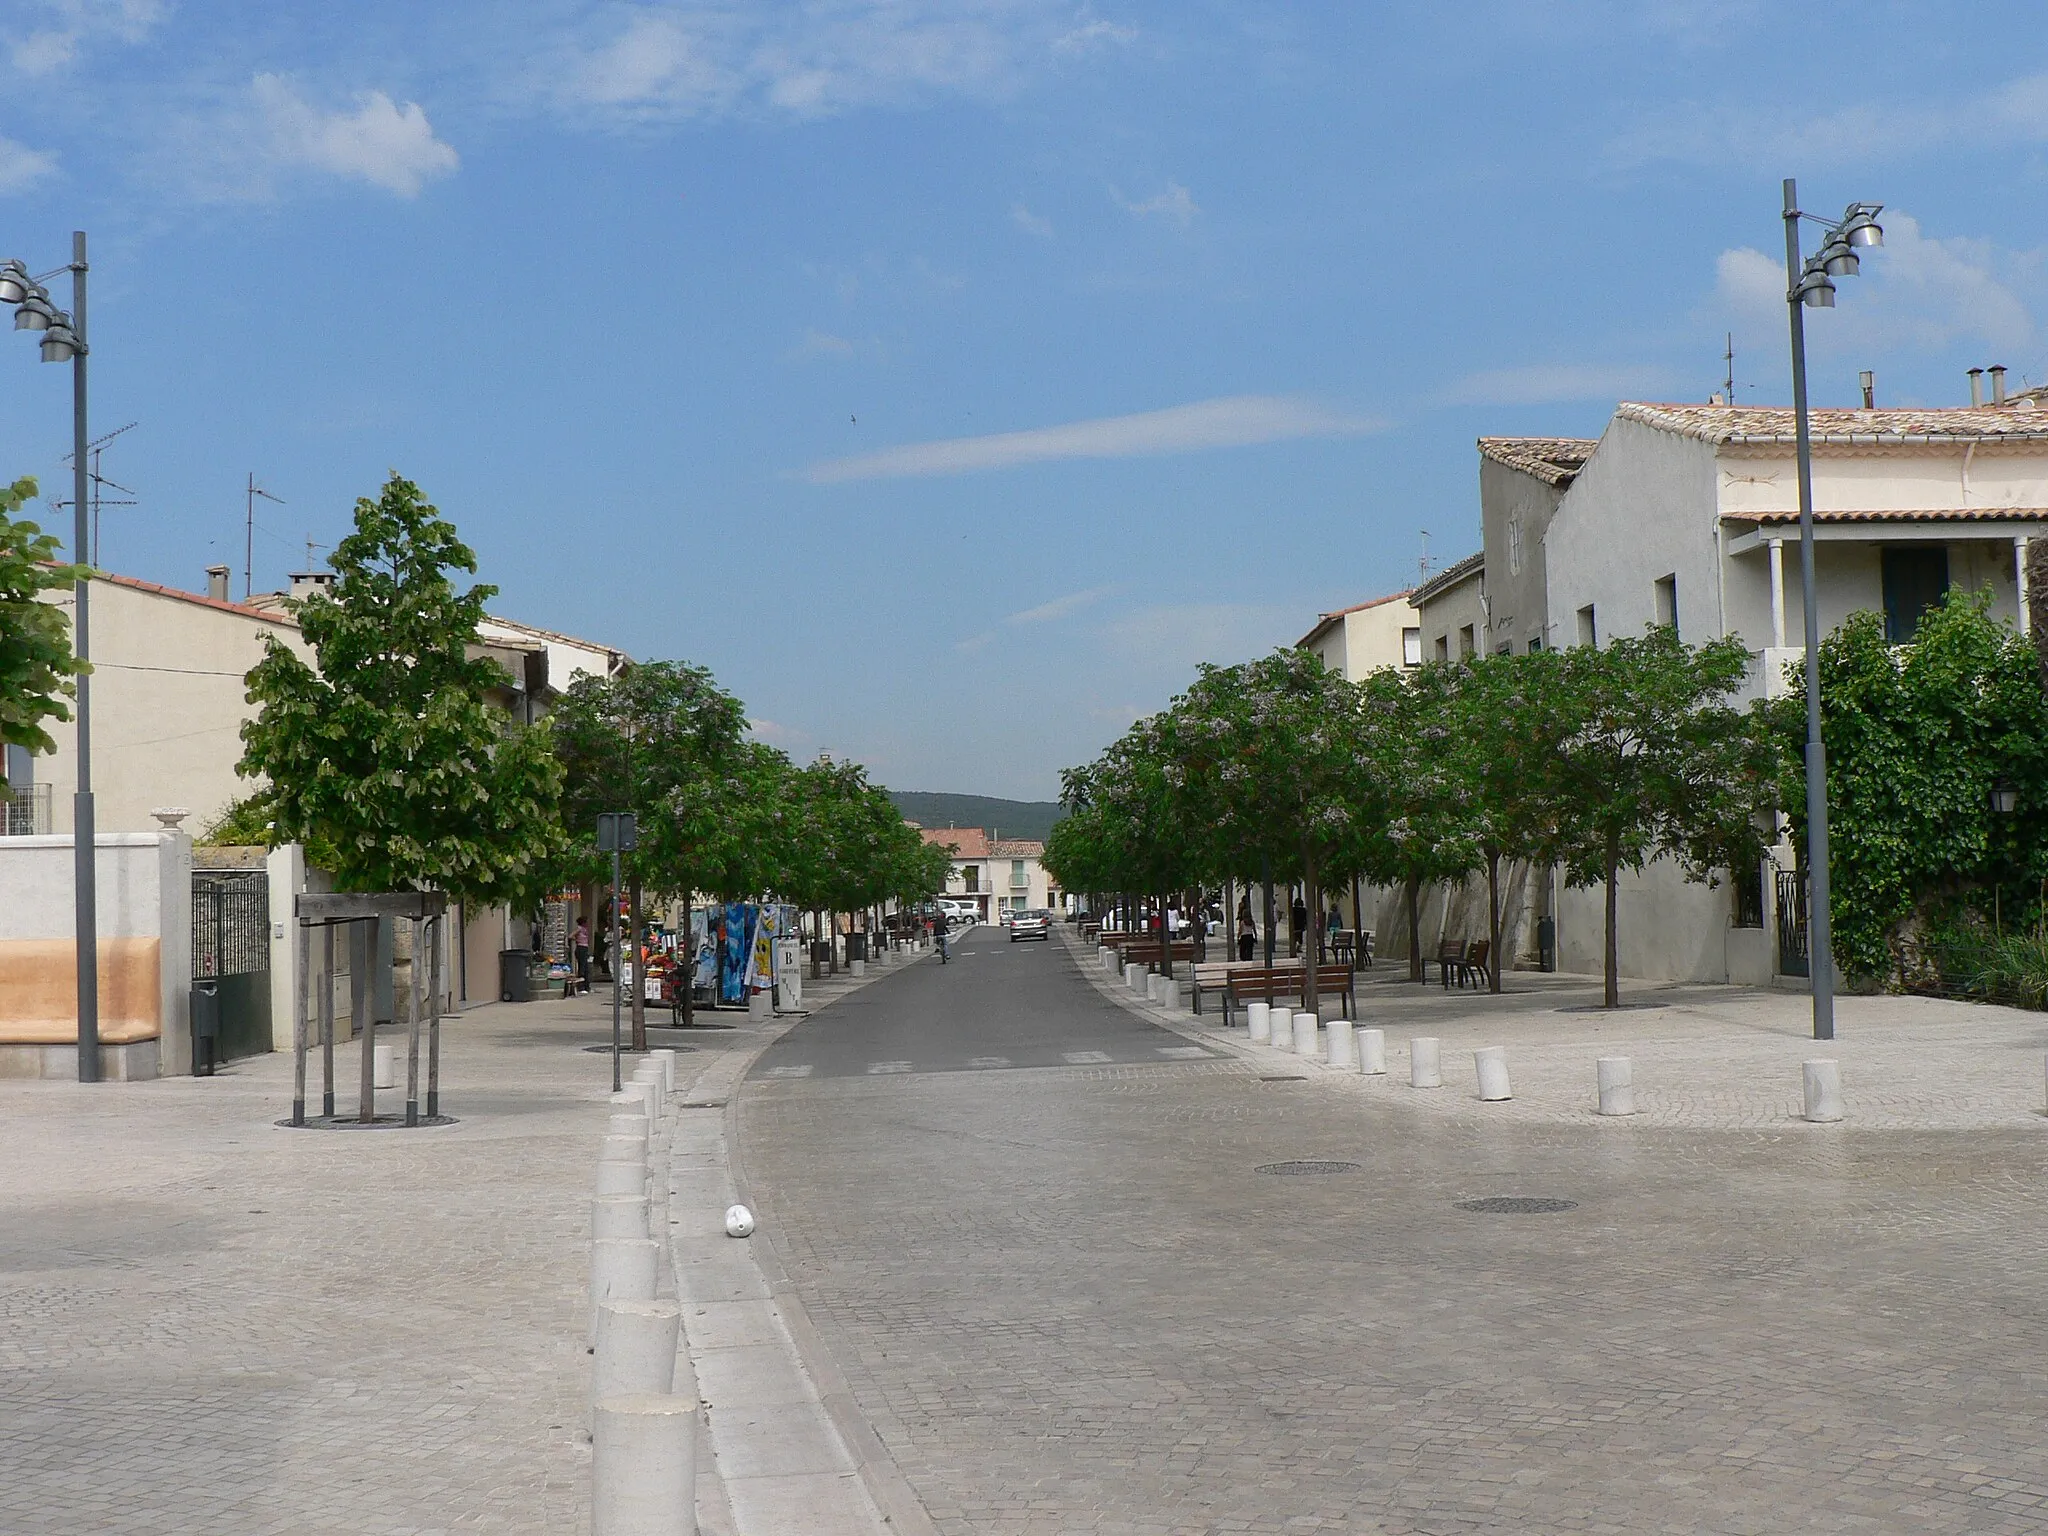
[1296, 1078]
[1302, 1168]
[1517, 1205]
[605, 1050]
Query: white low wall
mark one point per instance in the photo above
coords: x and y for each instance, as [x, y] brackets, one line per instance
[145, 954]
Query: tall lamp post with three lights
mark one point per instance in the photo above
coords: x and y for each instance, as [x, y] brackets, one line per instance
[1810, 285]
[63, 341]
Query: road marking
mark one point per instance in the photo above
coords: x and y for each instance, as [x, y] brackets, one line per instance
[802, 1071]
[989, 1061]
[876, 1068]
[1181, 1052]
[1084, 1058]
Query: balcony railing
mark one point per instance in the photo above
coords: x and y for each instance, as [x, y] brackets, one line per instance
[27, 811]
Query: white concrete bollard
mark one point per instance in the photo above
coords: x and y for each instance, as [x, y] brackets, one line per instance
[626, 1149]
[1259, 1016]
[858, 967]
[636, 1348]
[1617, 1085]
[1282, 1022]
[643, 1466]
[1491, 1065]
[618, 1215]
[1134, 976]
[621, 1269]
[1823, 1084]
[1343, 1052]
[622, 1177]
[635, 1124]
[1425, 1062]
[1305, 1043]
[760, 1006]
[667, 1058]
[644, 1090]
[1372, 1052]
[383, 1065]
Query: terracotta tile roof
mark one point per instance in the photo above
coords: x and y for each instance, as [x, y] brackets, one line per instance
[1899, 515]
[1450, 576]
[1325, 620]
[1016, 848]
[966, 842]
[1844, 426]
[1553, 460]
[242, 609]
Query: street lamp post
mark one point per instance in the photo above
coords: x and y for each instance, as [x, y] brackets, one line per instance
[63, 341]
[1810, 285]
[617, 832]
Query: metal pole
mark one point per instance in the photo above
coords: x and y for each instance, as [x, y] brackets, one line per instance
[1820, 957]
[617, 966]
[84, 877]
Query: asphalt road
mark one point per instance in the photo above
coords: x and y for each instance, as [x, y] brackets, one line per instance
[993, 1006]
[1100, 1296]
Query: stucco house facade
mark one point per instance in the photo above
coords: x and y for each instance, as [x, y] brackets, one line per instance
[1450, 610]
[1380, 632]
[997, 875]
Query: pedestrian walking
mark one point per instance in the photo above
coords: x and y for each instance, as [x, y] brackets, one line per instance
[1297, 924]
[1247, 933]
[581, 945]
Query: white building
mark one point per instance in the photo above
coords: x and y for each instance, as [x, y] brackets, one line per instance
[998, 875]
[1380, 632]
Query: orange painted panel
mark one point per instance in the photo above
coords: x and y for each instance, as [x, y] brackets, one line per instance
[39, 991]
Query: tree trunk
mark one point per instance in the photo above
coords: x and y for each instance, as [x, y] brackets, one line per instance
[1165, 937]
[1357, 925]
[639, 981]
[832, 939]
[1268, 871]
[1493, 919]
[1311, 944]
[1610, 995]
[686, 951]
[1415, 970]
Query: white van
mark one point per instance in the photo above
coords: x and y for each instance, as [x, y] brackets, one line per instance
[960, 911]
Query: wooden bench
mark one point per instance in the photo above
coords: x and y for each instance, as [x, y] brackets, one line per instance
[1214, 976]
[1146, 951]
[1249, 984]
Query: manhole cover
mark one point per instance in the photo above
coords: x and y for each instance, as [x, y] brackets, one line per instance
[627, 1050]
[357, 1123]
[1295, 1079]
[1304, 1167]
[1517, 1205]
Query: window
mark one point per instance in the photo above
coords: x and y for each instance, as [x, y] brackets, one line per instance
[1535, 643]
[1018, 879]
[972, 875]
[1749, 896]
[1506, 648]
[1467, 641]
[1915, 580]
[1411, 647]
[1667, 600]
[1589, 632]
[1443, 647]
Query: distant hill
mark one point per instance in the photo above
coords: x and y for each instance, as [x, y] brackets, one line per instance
[999, 818]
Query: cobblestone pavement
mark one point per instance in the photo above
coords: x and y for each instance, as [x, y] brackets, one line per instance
[1068, 1299]
[210, 1324]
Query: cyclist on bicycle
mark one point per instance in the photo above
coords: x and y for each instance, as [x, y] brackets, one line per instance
[939, 923]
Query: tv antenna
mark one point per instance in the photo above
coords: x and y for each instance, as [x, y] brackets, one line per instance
[95, 447]
[1728, 381]
[1423, 564]
[249, 535]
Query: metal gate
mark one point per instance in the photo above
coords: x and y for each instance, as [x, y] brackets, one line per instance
[231, 952]
[1792, 948]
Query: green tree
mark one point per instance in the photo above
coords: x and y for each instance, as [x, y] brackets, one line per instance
[36, 659]
[389, 754]
[1654, 762]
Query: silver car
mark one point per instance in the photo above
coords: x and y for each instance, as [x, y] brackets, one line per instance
[1030, 925]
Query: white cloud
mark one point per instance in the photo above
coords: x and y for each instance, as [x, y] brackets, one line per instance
[1232, 422]
[1030, 222]
[1917, 292]
[1552, 383]
[22, 167]
[1174, 203]
[381, 141]
[44, 50]
[697, 59]
[975, 643]
[1060, 607]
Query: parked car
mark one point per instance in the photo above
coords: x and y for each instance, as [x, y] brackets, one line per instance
[1030, 925]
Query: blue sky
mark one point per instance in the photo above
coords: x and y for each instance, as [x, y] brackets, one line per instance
[952, 378]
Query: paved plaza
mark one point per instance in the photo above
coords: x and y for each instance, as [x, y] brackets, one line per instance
[1089, 1296]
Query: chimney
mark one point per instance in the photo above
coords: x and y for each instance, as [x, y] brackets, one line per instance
[1976, 386]
[1998, 383]
[306, 583]
[1869, 382]
[217, 582]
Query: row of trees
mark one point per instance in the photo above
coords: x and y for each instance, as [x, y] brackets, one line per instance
[1592, 760]
[386, 758]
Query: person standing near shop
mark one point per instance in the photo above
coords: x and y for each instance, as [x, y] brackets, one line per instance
[581, 946]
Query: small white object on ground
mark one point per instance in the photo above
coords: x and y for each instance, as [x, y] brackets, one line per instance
[1372, 1052]
[643, 1466]
[1491, 1064]
[1425, 1062]
[1617, 1085]
[739, 1221]
[1823, 1085]
[1260, 1017]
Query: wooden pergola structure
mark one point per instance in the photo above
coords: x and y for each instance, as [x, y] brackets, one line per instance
[427, 911]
